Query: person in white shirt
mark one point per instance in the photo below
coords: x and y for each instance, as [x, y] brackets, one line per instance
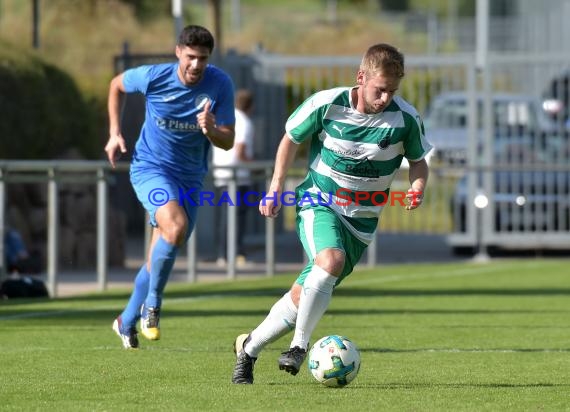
[240, 153]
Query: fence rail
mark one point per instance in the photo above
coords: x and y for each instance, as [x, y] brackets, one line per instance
[55, 172]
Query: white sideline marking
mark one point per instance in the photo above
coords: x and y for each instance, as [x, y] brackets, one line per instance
[470, 271]
[36, 314]
[118, 307]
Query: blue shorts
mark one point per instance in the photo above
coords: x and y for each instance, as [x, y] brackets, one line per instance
[154, 188]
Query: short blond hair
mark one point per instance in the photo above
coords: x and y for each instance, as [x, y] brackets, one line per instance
[383, 58]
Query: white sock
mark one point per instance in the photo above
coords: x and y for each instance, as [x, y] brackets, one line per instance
[314, 301]
[280, 320]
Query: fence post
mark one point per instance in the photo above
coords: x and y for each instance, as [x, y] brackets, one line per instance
[269, 234]
[3, 262]
[53, 229]
[192, 257]
[231, 234]
[372, 252]
[102, 233]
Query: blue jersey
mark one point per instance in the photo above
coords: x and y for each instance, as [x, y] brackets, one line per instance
[171, 138]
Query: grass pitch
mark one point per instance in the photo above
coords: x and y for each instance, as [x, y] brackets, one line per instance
[438, 337]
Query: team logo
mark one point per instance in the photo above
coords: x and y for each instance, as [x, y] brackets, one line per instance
[384, 143]
[201, 100]
[161, 123]
[338, 129]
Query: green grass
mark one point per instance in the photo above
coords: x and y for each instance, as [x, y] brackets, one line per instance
[447, 337]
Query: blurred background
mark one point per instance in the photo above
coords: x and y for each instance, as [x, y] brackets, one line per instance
[490, 79]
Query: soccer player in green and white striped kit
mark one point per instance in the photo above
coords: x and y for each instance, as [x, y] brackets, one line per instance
[358, 138]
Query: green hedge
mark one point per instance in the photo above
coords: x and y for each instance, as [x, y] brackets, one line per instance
[42, 112]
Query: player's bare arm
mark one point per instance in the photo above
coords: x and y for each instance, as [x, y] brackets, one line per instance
[284, 159]
[418, 176]
[241, 152]
[116, 144]
[220, 136]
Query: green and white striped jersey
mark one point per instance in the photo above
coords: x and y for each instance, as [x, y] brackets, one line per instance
[352, 154]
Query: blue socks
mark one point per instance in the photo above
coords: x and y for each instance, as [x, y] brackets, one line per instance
[149, 287]
[161, 263]
[132, 311]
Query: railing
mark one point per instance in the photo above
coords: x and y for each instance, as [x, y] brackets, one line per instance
[55, 172]
[257, 166]
[50, 172]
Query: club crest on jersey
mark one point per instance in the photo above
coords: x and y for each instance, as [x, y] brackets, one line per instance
[160, 123]
[201, 100]
[384, 143]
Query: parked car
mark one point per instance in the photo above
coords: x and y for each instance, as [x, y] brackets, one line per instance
[557, 99]
[531, 188]
[447, 127]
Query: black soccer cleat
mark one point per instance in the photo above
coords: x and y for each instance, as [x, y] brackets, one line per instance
[243, 371]
[291, 360]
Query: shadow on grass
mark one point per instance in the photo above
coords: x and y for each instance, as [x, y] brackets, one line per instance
[452, 292]
[96, 315]
[107, 296]
[341, 291]
[18, 308]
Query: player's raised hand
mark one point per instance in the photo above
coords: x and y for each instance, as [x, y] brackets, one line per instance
[206, 119]
[115, 148]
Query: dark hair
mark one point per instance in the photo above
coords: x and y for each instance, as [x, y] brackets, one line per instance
[244, 100]
[196, 36]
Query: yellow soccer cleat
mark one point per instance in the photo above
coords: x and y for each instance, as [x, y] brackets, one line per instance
[150, 319]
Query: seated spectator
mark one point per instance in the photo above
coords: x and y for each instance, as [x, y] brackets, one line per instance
[17, 257]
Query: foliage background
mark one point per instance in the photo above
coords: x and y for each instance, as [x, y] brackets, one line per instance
[43, 111]
[81, 37]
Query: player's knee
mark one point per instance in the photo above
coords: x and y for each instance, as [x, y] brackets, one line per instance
[295, 293]
[174, 232]
[173, 223]
[331, 260]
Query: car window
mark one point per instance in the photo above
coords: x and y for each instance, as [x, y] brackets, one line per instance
[531, 150]
[452, 113]
[510, 152]
[447, 113]
[513, 114]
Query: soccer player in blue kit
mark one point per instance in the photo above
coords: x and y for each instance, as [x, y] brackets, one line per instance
[189, 106]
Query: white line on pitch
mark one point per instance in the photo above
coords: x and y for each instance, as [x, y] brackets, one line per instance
[65, 312]
[470, 271]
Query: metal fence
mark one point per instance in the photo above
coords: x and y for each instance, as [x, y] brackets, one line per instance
[525, 52]
[530, 210]
[100, 173]
[518, 164]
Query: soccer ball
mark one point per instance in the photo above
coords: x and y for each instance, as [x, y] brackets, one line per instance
[334, 361]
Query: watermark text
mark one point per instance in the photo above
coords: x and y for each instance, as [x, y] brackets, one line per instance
[342, 197]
